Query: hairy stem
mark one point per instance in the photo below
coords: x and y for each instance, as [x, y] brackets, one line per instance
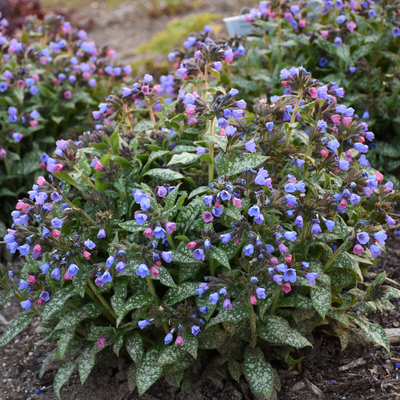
[153, 119]
[156, 300]
[7, 165]
[103, 301]
[276, 298]
[212, 267]
[294, 116]
[253, 327]
[205, 82]
[211, 149]
[171, 242]
[84, 177]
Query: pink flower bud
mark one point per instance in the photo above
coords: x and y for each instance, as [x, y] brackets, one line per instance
[324, 34]
[67, 94]
[3, 153]
[361, 139]
[86, 254]
[22, 206]
[86, 74]
[343, 202]
[58, 167]
[236, 202]
[154, 271]
[253, 299]
[284, 83]
[56, 81]
[358, 249]
[335, 118]
[20, 83]
[99, 166]
[37, 248]
[273, 261]
[282, 248]
[192, 245]
[101, 342]
[379, 176]
[31, 279]
[170, 227]
[302, 23]
[286, 287]
[288, 258]
[56, 233]
[157, 88]
[40, 302]
[237, 241]
[347, 121]
[35, 77]
[313, 92]
[351, 26]
[222, 132]
[348, 154]
[148, 232]
[67, 276]
[324, 153]
[179, 340]
[41, 181]
[158, 263]
[33, 123]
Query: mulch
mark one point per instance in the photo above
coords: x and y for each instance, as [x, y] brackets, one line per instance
[362, 371]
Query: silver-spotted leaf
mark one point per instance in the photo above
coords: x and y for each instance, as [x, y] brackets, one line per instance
[64, 372]
[18, 325]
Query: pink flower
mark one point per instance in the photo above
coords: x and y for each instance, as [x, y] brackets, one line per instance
[35, 77]
[286, 287]
[101, 342]
[282, 248]
[86, 74]
[31, 279]
[379, 176]
[3, 153]
[190, 111]
[346, 120]
[40, 302]
[273, 261]
[158, 263]
[99, 282]
[145, 89]
[351, 26]
[313, 92]
[358, 249]
[179, 341]
[324, 153]
[20, 83]
[343, 202]
[361, 139]
[288, 258]
[170, 227]
[191, 121]
[99, 166]
[253, 299]
[86, 254]
[22, 206]
[222, 132]
[56, 233]
[37, 248]
[324, 34]
[154, 271]
[41, 181]
[67, 276]
[192, 245]
[157, 88]
[56, 82]
[236, 202]
[33, 123]
[207, 216]
[67, 94]
[348, 154]
[148, 232]
[111, 53]
[302, 23]
[335, 118]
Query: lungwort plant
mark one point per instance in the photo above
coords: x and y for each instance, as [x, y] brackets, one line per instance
[51, 79]
[203, 239]
[355, 44]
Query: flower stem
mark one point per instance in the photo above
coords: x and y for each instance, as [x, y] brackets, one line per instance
[103, 301]
[332, 259]
[212, 267]
[211, 149]
[205, 83]
[7, 165]
[153, 119]
[153, 293]
[276, 298]
[253, 327]
[171, 242]
[22, 297]
[294, 116]
[84, 177]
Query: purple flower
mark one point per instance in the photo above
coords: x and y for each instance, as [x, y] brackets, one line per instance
[396, 32]
[344, 165]
[200, 150]
[290, 275]
[380, 237]
[241, 104]
[208, 200]
[278, 279]
[322, 62]
[89, 244]
[214, 298]
[57, 223]
[259, 219]
[166, 256]
[120, 267]
[311, 277]
[375, 250]
[142, 271]
[159, 233]
[23, 284]
[195, 330]
[299, 221]
[55, 274]
[248, 250]
[198, 254]
[329, 224]
[333, 145]
[250, 146]
[26, 305]
[290, 235]
[24, 250]
[45, 267]
[142, 324]
[340, 19]
[270, 125]
[56, 197]
[217, 211]
[227, 304]
[254, 211]
[45, 296]
[261, 293]
[102, 233]
[316, 229]
[390, 220]
[73, 269]
[168, 339]
[230, 130]
[354, 199]
[290, 200]
[226, 238]
[217, 65]
[110, 261]
[362, 148]
[363, 237]
[140, 218]
[338, 42]
[225, 195]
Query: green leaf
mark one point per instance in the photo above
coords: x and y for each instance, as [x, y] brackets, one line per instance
[80, 280]
[321, 298]
[134, 346]
[200, 190]
[17, 326]
[211, 338]
[132, 226]
[131, 374]
[149, 371]
[63, 343]
[191, 343]
[87, 360]
[258, 372]
[346, 260]
[344, 53]
[114, 141]
[295, 339]
[64, 372]
[189, 214]
[219, 255]
[182, 292]
[275, 329]
[119, 342]
[170, 199]
[165, 277]
[235, 369]
[57, 300]
[171, 354]
[138, 300]
[120, 292]
[342, 332]
[238, 313]
[164, 174]
[239, 163]
[6, 295]
[184, 158]
[47, 362]
[70, 320]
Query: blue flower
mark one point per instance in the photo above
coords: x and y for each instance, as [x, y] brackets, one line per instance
[333, 145]
[329, 224]
[311, 277]
[261, 293]
[57, 223]
[89, 244]
[338, 42]
[55, 274]
[166, 256]
[143, 324]
[23, 284]
[248, 250]
[259, 219]
[203, 309]
[375, 250]
[208, 200]
[110, 261]
[195, 330]
[214, 298]
[120, 267]
[3, 87]
[24, 250]
[106, 277]
[254, 211]
[27, 304]
[225, 195]
[290, 275]
[102, 233]
[45, 267]
[217, 211]
[159, 233]
[168, 339]
[250, 146]
[198, 254]
[322, 62]
[380, 236]
[142, 271]
[73, 269]
[363, 237]
[45, 296]
[226, 238]
[290, 235]
[140, 218]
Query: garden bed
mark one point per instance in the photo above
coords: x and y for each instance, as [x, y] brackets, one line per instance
[325, 368]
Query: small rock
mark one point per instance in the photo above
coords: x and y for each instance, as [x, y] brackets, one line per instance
[396, 324]
[297, 386]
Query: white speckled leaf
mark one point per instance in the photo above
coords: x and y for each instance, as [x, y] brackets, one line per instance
[191, 343]
[6, 296]
[200, 190]
[64, 372]
[18, 325]
[171, 354]
[182, 254]
[219, 255]
[202, 302]
[321, 298]
[119, 341]
[87, 359]
[342, 333]
[164, 174]
[182, 292]
[169, 200]
[258, 372]
[345, 260]
[183, 158]
[165, 277]
[138, 300]
[132, 226]
[211, 338]
[238, 313]
[134, 346]
[70, 320]
[275, 329]
[47, 362]
[57, 300]
[238, 164]
[188, 214]
[295, 339]
[131, 374]
[149, 371]
[235, 369]
[80, 280]
[63, 343]
[120, 292]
